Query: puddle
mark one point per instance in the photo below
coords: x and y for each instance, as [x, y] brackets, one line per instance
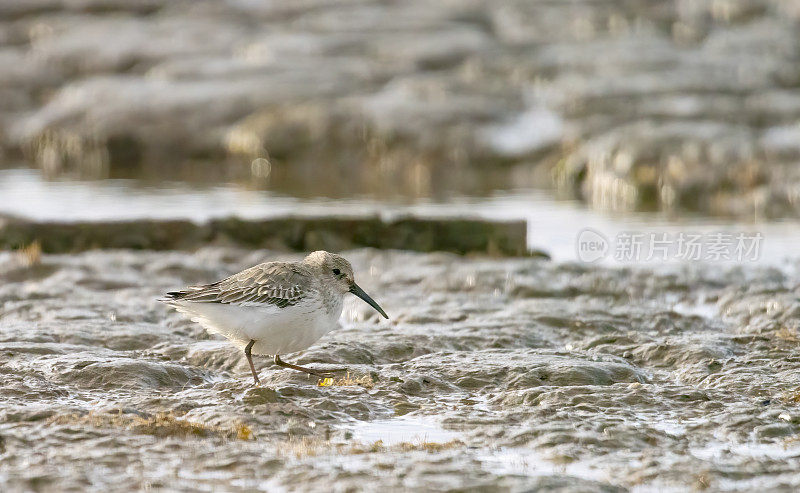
[527, 462]
[405, 429]
[671, 428]
[699, 309]
[743, 452]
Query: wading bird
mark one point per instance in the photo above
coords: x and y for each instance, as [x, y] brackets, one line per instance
[274, 308]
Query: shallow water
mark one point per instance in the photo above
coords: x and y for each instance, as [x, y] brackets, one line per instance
[503, 374]
[403, 429]
[554, 225]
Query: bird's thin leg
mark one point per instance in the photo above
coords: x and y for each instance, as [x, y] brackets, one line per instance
[310, 371]
[247, 353]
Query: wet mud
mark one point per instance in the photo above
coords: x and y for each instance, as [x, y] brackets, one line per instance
[492, 374]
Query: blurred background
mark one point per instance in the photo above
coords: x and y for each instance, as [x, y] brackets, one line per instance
[604, 113]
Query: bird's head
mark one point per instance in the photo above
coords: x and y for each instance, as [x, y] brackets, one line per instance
[337, 272]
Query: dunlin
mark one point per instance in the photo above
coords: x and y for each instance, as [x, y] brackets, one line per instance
[274, 308]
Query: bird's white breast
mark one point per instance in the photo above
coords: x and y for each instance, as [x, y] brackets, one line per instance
[276, 330]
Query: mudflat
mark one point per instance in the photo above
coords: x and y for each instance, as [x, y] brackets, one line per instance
[509, 373]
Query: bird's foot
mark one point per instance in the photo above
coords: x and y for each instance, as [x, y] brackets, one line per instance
[322, 374]
[330, 373]
[305, 369]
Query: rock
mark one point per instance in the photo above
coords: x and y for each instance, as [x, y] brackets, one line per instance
[297, 233]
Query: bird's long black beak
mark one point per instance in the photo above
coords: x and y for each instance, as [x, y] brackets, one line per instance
[356, 290]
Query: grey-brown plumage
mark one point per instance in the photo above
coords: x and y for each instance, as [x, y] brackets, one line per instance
[274, 283]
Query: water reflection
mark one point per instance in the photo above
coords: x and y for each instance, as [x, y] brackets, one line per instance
[554, 225]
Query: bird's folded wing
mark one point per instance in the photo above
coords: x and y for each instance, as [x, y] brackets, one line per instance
[274, 283]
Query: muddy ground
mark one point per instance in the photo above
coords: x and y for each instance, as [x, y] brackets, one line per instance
[492, 375]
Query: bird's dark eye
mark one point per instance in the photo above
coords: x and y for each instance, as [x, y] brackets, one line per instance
[337, 271]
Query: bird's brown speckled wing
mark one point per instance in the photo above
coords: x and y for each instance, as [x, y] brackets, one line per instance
[280, 284]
